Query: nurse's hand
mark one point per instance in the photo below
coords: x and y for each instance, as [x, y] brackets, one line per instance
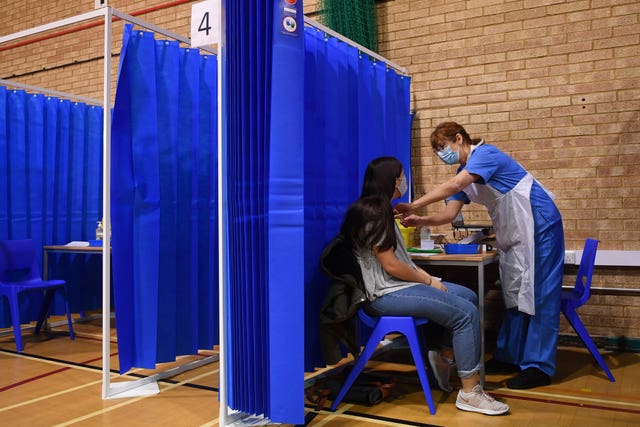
[402, 208]
[411, 220]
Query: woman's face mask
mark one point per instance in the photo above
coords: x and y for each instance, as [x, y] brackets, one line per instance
[402, 187]
[449, 156]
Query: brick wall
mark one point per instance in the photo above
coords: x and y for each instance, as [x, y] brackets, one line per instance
[69, 59]
[554, 83]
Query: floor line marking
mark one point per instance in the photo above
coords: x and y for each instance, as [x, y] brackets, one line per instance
[515, 394]
[68, 364]
[59, 393]
[211, 423]
[65, 366]
[129, 401]
[576, 404]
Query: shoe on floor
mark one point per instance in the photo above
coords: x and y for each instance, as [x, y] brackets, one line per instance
[441, 368]
[479, 401]
[529, 378]
[495, 366]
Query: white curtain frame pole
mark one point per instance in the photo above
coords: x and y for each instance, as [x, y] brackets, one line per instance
[106, 207]
[52, 25]
[50, 92]
[319, 26]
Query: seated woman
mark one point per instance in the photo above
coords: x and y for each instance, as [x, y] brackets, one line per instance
[395, 286]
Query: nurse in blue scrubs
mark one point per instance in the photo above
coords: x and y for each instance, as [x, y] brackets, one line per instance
[530, 241]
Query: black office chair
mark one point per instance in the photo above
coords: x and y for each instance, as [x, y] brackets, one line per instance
[19, 273]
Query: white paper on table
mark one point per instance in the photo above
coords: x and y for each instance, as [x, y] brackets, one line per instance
[78, 243]
[473, 238]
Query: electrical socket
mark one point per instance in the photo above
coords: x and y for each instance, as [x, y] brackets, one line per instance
[569, 257]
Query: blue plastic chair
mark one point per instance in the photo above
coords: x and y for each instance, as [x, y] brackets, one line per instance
[19, 273]
[578, 296]
[384, 325]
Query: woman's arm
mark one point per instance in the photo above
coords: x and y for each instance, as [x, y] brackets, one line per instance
[400, 270]
[448, 188]
[445, 216]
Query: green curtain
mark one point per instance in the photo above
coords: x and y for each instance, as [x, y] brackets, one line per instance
[354, 19]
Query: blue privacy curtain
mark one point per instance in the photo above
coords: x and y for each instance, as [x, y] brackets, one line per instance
[164, 201]
[51, 189]
[355, 110]
[265, 209]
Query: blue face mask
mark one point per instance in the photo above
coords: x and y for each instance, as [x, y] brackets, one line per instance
[449, 156]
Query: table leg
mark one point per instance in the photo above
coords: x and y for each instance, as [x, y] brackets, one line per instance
[481, 310]
[45, 276]
[45, 265]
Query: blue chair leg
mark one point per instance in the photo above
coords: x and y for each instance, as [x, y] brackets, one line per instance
[375, 338]
[578, 326]
[416, 350]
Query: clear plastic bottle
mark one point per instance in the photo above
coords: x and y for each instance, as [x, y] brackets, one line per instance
[99, 231]
[425, 238]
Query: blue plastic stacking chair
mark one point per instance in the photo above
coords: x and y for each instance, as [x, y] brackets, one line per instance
[578, 296]
[384, 325]
[19, 273]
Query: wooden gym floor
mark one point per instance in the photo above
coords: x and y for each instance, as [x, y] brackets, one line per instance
[58, 382]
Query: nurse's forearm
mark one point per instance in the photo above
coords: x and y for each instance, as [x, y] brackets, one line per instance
[441, 192]
[448, 188]
[436, 219]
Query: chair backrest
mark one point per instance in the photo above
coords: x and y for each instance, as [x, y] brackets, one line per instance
[18, 261]
[585, 271]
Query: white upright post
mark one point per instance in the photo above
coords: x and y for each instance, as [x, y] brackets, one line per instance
[222, 241]
[106, 203]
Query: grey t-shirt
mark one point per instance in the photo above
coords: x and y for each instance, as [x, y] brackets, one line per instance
[377, 281]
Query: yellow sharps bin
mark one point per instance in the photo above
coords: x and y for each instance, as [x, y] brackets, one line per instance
[408, 234]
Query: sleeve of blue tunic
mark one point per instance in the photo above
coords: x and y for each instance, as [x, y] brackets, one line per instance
[495, 168]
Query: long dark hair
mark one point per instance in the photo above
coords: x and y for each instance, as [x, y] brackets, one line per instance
[369, 220]
[369, 223]
[380, 177]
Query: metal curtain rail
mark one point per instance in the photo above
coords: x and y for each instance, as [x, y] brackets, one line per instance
[50, 92]
[57, 24]
[361, 48]
[95, 14]
[159, 30]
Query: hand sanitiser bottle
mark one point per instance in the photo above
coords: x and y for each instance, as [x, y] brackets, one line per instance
[99, 231]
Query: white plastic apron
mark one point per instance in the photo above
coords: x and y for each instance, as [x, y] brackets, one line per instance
[513, 224]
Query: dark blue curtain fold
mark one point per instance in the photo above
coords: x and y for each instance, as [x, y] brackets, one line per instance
[356, 109]
[265, 179]
[51, 189]
[164, 201]
[248, 58]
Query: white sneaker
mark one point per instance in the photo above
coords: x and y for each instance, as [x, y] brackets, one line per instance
[479, 401]
[441, 369]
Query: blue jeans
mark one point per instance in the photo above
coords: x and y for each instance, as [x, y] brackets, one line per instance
[455, 310]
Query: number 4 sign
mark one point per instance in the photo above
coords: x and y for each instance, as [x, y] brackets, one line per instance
[205, 23]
